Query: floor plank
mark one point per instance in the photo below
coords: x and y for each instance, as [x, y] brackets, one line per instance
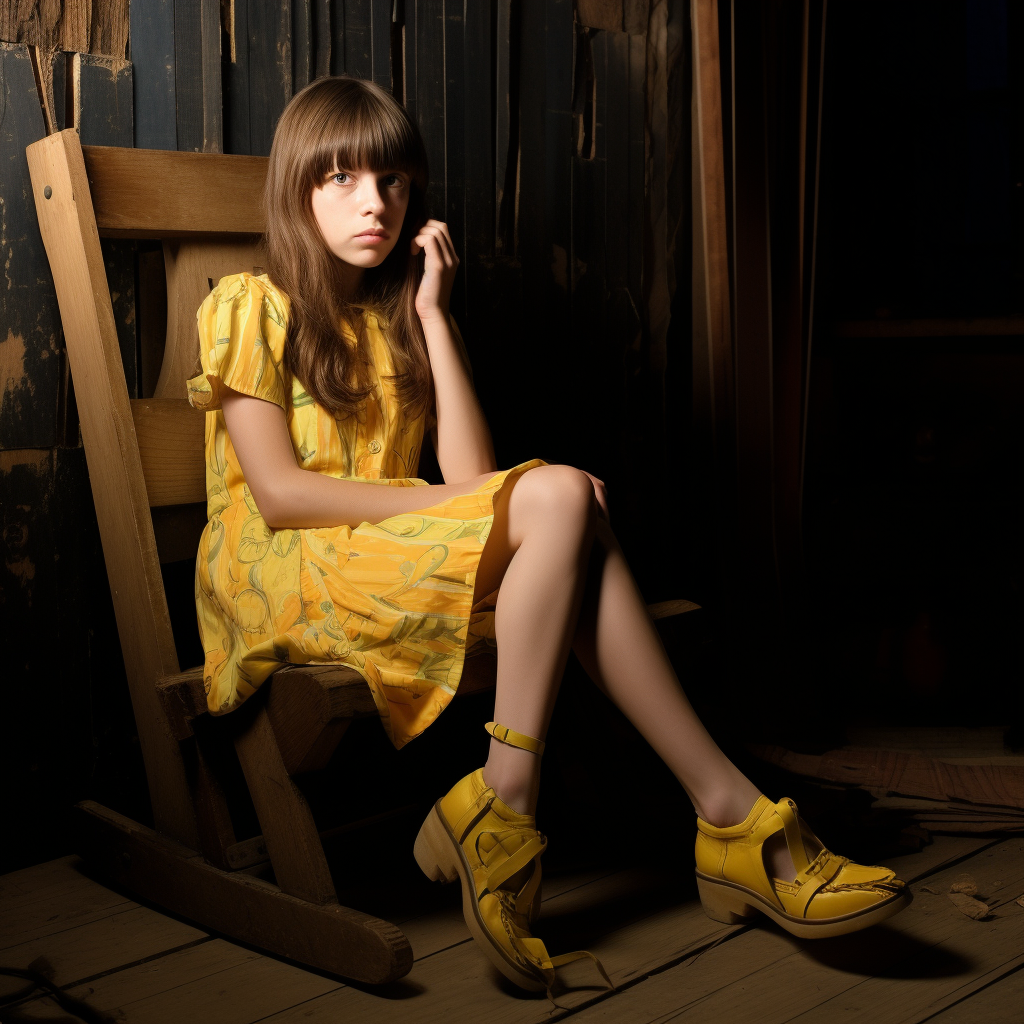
[645, 924]
[887, 974]
[65, 898]
[215, 982]
[247, 992]
[439, 929]
[29, 880]
[172, 971]
[104, 945]
[635, 921]
[999, 1003]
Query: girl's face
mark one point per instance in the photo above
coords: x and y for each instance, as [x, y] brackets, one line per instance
[360, 213]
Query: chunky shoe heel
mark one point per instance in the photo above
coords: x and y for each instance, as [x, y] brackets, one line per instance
[473, 836]
[829, 895]
[433, 851]
[723, 904]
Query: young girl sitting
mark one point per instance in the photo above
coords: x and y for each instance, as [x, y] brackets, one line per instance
[321, 378]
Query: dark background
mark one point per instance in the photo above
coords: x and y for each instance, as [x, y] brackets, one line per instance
[900, 599]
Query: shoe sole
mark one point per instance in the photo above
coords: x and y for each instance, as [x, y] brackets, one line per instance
[442, 859]
[734, 904]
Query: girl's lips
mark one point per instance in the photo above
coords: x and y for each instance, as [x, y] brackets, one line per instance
[372, 238]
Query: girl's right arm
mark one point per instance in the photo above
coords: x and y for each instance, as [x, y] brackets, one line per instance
[289, 496]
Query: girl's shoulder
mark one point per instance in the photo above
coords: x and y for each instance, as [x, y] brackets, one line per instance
[242, 331]
[249, 290]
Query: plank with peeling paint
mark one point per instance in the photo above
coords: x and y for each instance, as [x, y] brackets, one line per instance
[303, 44]
[270, 71]
[456, 143]
[102, 99]
[236, 82]
[30, 331]
[188, 74]
[358, 38]
[54, 564]
[380, 42]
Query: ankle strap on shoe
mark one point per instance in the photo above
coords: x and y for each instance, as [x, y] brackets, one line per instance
[504, 734]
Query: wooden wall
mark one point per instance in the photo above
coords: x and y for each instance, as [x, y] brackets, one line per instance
[558, 137]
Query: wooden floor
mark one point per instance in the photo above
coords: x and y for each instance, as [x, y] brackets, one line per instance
[670, 962]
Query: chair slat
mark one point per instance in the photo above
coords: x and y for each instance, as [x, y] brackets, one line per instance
[155, 193]
[171, 441]
[68, 228]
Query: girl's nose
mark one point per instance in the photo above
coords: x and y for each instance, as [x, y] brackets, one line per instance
[371, 199]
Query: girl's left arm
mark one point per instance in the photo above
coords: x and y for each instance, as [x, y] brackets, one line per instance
[462, 439]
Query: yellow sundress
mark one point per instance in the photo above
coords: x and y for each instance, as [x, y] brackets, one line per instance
[394, 599]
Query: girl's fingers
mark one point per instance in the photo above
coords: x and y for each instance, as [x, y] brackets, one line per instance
[432, 247]
[439, 231]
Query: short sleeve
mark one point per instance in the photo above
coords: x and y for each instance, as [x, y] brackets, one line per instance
[431, 418]
[241, 344]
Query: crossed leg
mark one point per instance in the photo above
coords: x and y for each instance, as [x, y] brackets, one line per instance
[564, 581]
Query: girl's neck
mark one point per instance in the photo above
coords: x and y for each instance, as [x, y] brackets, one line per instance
[350, 278]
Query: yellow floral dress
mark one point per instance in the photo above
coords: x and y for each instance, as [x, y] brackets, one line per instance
[393, 599]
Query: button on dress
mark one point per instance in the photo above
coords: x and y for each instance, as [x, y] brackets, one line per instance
[394, 599]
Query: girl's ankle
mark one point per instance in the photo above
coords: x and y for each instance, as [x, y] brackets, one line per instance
[730, 807]
[508, 792]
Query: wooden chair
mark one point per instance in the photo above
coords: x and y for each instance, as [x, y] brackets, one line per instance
[147, 470]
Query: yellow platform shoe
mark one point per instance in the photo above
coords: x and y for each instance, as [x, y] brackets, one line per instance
[829, 896]
[473, 836]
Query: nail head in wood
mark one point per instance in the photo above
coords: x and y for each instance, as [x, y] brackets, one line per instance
[47, 192]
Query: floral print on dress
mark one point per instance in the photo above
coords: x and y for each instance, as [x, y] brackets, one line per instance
[393, 600]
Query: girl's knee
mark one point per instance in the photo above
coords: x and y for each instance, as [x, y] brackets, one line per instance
[559, 491]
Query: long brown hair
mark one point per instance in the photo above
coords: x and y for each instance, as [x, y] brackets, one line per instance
[344, 123]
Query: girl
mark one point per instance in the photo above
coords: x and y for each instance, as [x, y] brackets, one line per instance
[322, 377]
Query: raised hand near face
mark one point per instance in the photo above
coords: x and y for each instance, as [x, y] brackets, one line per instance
[439, 266]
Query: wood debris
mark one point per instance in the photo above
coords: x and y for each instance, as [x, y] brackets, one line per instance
[969, 905]
[939, 787]
[965, 884]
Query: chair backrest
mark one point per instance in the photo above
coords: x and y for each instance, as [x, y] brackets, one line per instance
[143, 454]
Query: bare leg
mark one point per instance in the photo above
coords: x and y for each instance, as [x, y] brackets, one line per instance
[619, 646]
[537, 553]
[563, 578]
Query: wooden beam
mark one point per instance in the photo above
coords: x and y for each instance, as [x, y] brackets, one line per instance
[61, 192]
[293, 842]
[329, 937]
[712, 320]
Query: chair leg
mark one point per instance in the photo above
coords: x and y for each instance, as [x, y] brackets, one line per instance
[327, 937]
[294, 845]
[213, 819]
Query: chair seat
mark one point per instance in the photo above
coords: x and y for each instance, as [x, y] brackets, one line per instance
[309, 706]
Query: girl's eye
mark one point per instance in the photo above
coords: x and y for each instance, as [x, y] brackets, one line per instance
[394, 179]
[341, 174]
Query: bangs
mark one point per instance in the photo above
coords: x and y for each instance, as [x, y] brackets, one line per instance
[358, 130]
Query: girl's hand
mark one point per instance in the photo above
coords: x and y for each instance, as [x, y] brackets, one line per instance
[439, 267]
[600, 495]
